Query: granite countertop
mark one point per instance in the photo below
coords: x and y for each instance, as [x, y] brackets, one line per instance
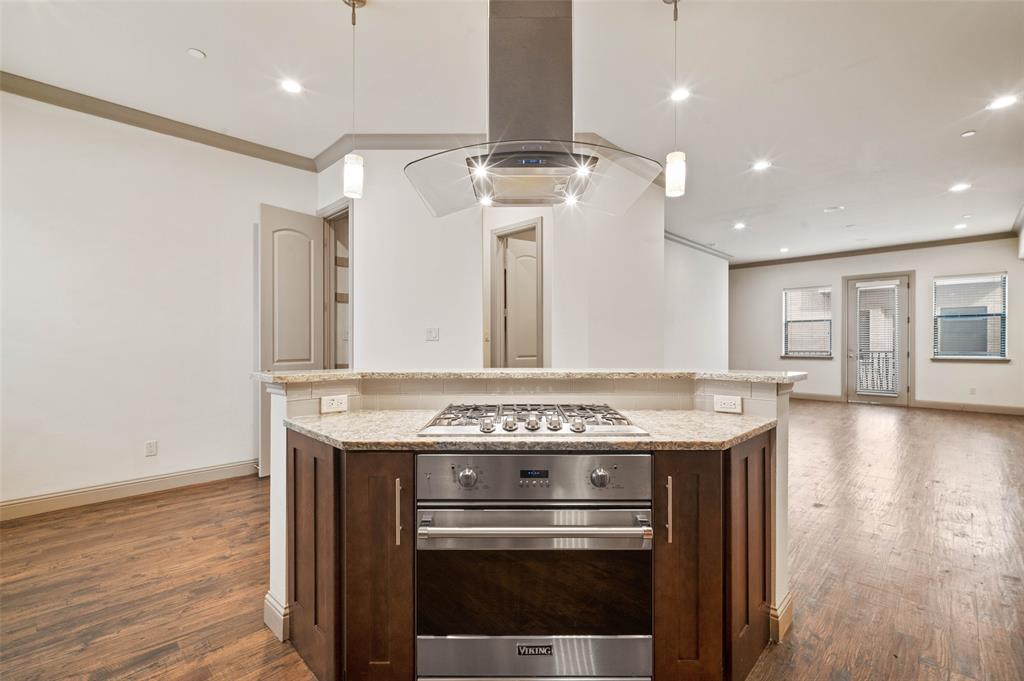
[321, 375]
[669, 429]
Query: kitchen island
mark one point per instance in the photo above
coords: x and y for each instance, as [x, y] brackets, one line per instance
[691, 444]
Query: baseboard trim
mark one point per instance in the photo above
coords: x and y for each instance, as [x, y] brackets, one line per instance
[781, 618]
[977, 408]
[817, 397]
[276, 617]
[26, 506]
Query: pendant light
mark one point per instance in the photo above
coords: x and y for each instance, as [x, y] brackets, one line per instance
[353, 163]
[675, 161]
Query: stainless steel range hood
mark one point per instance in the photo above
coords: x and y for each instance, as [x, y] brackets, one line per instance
[533, 158]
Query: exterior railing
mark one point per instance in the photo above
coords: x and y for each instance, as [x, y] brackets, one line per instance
[877, 372]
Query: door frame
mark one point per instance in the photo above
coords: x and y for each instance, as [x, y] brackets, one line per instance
[910, 342]
[497, 288]
[329, 215]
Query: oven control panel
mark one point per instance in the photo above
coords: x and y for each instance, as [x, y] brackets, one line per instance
[577, 476]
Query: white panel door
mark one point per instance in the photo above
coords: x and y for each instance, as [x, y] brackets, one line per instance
[521, 300]
[291, 301]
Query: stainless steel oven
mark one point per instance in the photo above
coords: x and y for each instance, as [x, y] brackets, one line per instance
[534, 566]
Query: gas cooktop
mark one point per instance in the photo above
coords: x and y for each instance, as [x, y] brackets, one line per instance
[530, 420]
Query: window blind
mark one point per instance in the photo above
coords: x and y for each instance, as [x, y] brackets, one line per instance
[807, 322]
[970, 316]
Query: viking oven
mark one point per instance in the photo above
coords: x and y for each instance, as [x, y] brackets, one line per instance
[534, 565]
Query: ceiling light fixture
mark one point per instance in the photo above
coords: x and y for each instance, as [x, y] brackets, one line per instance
[762, 164]
[960, 226]
[960, 187]
[291, 86]
[352, 182]
[969, 133]
[486, 200]
[966, 216]
[582, 171]
[480, 172]
[784, 249]
[675, 161]
[680, 94]
[739, 225]
[195, 53]
[571, 200]
[1002, 102]
[834, 209]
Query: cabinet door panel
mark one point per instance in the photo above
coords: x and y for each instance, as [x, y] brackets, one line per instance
[314, 613]
[747, 619]
[688, 566]
[379, 561]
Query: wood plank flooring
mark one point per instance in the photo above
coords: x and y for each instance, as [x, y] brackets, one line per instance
[907, 560]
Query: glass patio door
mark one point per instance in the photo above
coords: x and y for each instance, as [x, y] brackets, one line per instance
[878, 351]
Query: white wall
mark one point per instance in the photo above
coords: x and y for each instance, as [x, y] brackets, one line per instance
[755, 320]
[696, 308]
[128, 298]
[410, 271]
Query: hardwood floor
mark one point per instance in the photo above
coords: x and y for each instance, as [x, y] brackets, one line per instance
[907, 560]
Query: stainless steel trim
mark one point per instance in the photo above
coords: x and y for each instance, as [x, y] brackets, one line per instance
[668, 525]
[533, 678]
[642, 532]
[398, 511]
[538, 505]
[589, 657]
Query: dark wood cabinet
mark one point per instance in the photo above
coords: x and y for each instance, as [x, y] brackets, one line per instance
[379, 545]
[711, 561]
[351, 610]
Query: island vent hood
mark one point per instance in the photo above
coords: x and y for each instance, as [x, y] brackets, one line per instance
[532, 157]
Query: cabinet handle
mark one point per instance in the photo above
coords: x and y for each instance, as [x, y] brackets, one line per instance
[398, 511]
[668, 525]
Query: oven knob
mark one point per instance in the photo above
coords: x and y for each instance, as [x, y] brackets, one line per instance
[509, 423]
[578, 425]
[487, 425]
[533, 421]
[554, 422]
[600, 477]
[467, 478]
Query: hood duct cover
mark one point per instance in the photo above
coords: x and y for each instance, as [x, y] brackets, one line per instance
[532, 159]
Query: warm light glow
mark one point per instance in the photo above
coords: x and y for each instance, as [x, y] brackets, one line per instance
[1002, 102]
[571, 200]
[675, 174]
[763, 164]
[479, 172]
[353, 179]
[960, 187]
[680, 94]
[486, 201]
[292, 86]
[960, 226]
[739, 225]
[783, 250]
[582, 171]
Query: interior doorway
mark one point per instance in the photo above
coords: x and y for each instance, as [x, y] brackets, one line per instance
[516, 296]
[337, 292]
[879, 339]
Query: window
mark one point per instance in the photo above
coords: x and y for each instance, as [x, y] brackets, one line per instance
[970, 316]
[807, 322]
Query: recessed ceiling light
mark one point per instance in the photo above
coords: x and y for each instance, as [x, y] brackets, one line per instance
[1002, 102]
[195, 53]
[486, 201]
[783, 250]
[762, 164]
[292, 86]
[739, 225]
[960, 187]
[960, 226]
[834, 209]
[571, 200]
[967, 216]
[680, 94]
[969, 133]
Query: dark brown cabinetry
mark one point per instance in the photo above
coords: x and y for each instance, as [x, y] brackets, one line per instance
[711, 564]
[351, 611]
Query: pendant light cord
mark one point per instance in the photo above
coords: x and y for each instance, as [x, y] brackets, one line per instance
[675, 70]
[353, 75]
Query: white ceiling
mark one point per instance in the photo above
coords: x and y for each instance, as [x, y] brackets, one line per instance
[858, 104]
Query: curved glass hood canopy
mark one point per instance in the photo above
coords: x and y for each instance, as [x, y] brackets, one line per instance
[531, 158]
[532, 173]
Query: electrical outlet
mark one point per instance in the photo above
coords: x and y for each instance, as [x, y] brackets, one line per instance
[433, 334]
[729, 403]
[151, 447]
[333, 403]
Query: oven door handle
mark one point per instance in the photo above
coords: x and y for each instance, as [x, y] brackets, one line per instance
[555, 532]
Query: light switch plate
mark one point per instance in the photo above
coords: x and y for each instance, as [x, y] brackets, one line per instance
[729, 403]
[333, 403]
[151, 447]
[433, 334]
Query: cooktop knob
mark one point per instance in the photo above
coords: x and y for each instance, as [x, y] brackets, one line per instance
[554, 422]
[487, 425]
[467, 478]
[600, 477]
[533, 421]
[509, 423]
[577, 425]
